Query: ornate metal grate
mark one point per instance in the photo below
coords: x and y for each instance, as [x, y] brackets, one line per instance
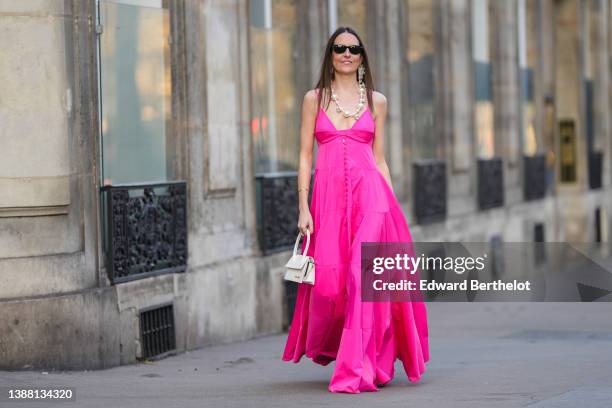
[490, 183]
[157, 334]
[599, 221]
[595, 166]
[277, 210]
[146, 230]
[291, 289]
[534, 177]
[429, 191]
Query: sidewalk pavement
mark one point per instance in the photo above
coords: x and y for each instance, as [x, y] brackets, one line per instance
[489, 355]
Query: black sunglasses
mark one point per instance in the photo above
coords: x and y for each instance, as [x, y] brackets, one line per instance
[353, 49]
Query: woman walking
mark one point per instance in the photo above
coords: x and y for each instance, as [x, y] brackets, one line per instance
[352, 202]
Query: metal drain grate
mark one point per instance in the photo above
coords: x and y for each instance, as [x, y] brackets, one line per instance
[157, 331]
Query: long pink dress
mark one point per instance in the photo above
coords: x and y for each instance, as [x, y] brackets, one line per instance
[352, 203]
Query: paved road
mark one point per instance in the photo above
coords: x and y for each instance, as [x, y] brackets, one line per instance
[483, 355]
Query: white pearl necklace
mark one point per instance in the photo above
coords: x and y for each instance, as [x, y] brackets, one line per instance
[360, 105]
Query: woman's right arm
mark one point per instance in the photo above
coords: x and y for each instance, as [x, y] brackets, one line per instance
[309, 114]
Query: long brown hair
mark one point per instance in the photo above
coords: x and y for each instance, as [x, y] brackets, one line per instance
[327, 70]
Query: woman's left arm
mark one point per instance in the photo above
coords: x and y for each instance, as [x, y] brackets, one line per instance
[378, 147]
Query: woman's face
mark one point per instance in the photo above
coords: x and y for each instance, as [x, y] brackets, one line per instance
[346, 62]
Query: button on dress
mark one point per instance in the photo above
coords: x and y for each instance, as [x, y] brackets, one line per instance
[352, 203]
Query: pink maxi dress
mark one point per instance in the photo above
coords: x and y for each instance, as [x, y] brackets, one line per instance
[352, 203]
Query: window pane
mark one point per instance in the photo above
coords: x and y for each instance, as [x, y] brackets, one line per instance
[420, 55]
[590, 37]
[592, 53]
[482, 79]
[528, 54]
[276, 109]
[136, 92]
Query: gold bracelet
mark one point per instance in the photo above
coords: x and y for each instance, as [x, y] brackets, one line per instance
[303, 188]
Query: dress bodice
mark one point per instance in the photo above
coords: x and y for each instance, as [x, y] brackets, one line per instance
[345, 148]
[363, 129]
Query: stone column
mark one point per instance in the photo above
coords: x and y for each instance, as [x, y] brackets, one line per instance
[391, 62]
[506, 98]
[48, 171]
[569, 91]
[458, 80]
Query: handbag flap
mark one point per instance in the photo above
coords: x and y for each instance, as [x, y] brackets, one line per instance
[297, 261]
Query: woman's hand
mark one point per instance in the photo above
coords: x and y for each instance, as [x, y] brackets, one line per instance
[305, 221]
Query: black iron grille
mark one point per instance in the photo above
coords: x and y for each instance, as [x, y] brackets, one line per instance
[598, 225]
[277, 210]
[534, 177]
[429, 190]
[145, 230]
[490, 183]
[157, 331]
[291, 289]
[595, 169]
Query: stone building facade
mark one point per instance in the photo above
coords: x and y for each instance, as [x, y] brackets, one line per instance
[147, 188]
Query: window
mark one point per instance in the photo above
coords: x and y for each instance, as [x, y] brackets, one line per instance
[592, 91]
[135, 86]
[276, 108]
[420, 54]
[484, 110]
[591, 53]
[143, 206]
[528, 55]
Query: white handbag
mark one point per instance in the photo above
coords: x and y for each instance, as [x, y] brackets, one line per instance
[300, 267]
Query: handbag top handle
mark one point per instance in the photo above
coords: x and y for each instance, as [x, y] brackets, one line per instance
[298, 240]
